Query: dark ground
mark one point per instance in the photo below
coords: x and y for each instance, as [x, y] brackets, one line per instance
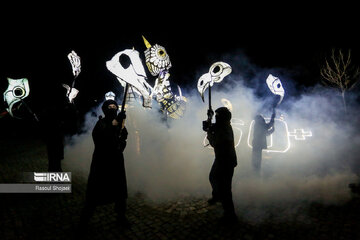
[55, 216]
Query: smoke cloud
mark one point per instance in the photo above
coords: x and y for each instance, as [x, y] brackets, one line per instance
[168, 160]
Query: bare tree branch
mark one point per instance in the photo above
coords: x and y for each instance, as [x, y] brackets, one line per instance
[340, 73]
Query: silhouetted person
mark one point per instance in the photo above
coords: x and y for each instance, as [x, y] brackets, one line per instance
[261, 130]
[58, 119]
[107, 178]
[221, 138]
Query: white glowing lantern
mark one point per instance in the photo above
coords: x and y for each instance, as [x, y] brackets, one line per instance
[75, 63]
[128, 68]
[275, 86]
[216, 74]
[110, 96]
[17, 90]
[71, 93]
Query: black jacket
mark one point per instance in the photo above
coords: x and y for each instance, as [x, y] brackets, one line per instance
[221, 138]
[261, 130]
[107, 178]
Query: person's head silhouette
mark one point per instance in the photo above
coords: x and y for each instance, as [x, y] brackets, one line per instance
[223, 115]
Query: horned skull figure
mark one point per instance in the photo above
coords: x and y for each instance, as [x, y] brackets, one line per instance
[156, 58]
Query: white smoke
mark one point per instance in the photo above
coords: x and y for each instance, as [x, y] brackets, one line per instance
[165, 161]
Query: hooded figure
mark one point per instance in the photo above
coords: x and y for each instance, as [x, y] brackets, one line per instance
[107, 178]
[261, 130]
[221, 138]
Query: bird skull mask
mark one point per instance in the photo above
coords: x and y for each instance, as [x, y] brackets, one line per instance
[17, 90]
[127, 67]
[275, 86]
[216, 74]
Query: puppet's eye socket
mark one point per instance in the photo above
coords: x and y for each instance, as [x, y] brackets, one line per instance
[18, 92]
[216, 69]
[161, 53]
[124, 61]
[278, 85]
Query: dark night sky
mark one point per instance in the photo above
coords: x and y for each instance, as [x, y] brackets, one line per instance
[35, 44]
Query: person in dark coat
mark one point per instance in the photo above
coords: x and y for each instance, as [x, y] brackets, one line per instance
[58, 119]
[107, 178]
[221, 138]
[261, 130]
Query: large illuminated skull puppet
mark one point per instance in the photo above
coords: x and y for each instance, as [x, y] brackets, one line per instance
[17, 90]
[275, 86]
[128, 68]
[216, 74]
[156, 58]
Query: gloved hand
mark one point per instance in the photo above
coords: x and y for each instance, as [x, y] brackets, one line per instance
[121, 116]
[124, 133]
[210, 113]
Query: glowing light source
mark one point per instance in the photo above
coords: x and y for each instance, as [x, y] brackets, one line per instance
[216, 74]
[300, 134]
[128, 68]
[283, 141]
[275, 86]
[158, 63]
[75, 63]
[17, 90]
[156, 58]
[70, 92]
[110, 96]
[227, 104]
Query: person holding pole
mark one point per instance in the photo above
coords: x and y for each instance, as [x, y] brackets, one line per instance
[107, 178]
[221, 138]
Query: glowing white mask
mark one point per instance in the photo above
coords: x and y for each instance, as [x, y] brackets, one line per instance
[127, 67]
[275, 86]
[70, 92]
[216, 74]
[156, 58]
[17, 90]
[75, 63]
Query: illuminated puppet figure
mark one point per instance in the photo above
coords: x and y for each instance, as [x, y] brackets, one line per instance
[275, 87]
[156, 57]
[216, 74]
[75, 63]
[128, 68]
[158, 63]
[71, 92]
[17, 90]
[110, 96]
